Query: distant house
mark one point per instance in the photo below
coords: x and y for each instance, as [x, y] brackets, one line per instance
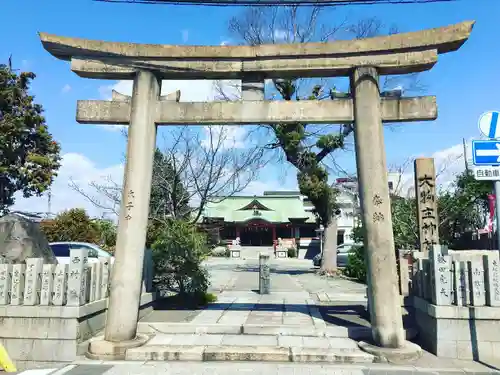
[36, 217]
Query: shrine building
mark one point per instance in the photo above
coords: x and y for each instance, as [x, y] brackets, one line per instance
[260, 220]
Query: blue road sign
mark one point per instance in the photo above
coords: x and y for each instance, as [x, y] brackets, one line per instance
[486, 152]
[489, 124]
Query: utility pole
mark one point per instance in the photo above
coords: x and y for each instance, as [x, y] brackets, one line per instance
[49, 204]
[465, 155]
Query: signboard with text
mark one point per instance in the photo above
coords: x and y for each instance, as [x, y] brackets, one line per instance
[486, 153]
[487, 173]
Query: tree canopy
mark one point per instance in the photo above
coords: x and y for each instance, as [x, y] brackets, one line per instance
[29, 156]
[462, 207]
[71, 225]
[169, 197]
[309, 148]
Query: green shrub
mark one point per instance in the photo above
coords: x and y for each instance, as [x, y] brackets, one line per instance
[178, 253]
[356, 266]
[107, 231]
[71, 225]
[178, 302]
[292, 252]
[154, 230]
[209, 298]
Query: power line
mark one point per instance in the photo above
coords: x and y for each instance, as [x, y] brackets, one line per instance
[323, 3]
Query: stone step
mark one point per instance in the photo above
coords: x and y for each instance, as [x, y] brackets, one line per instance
[246, 353]
[355, 332]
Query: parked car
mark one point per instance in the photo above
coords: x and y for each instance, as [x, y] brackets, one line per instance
[343, 251]
[61, 251]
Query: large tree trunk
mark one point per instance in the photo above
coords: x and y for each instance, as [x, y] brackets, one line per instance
[329, 259]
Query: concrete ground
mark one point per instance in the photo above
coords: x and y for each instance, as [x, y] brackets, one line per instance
[253, 368]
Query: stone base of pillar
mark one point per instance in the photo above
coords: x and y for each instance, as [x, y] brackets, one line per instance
[103, 350]
[409, 352]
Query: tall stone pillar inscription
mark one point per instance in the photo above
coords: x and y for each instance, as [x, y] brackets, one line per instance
[125, 290]
[425, 192]
[385, 303]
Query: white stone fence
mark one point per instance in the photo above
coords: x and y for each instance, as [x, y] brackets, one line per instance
[460, 278]
[73, 284]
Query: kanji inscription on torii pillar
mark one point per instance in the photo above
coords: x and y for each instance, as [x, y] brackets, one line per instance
[425, 193]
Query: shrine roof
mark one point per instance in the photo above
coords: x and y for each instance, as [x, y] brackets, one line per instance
[271, 208]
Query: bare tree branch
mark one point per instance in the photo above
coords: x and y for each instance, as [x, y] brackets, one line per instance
[291, 24]
[211, 163]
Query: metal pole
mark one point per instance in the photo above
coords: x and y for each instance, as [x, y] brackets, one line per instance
[465, 155]
[497, 210]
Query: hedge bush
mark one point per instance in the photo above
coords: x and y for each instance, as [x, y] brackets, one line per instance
[178, 253]
[356, 266]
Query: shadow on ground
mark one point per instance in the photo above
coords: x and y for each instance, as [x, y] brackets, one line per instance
[275, 271]
[341, 314]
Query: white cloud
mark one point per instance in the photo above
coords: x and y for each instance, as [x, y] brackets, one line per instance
[447, 162]
[66, 88]
[229, 136]
[259, 187]
[185, 35]
[191, 91]
[281, 35]
[82, 171]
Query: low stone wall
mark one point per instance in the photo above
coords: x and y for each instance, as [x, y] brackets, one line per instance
[36, 336]
[456, 301]
[461, 332]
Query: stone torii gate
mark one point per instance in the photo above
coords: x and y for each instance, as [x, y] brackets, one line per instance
[147, 65]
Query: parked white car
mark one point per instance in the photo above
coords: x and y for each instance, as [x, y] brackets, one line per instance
[343, 252]
[61, 251]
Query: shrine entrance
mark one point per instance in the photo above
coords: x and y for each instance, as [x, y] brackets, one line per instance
[257, 233]
[365, 107]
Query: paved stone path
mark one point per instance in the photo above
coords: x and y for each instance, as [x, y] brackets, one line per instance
[232, 368]
[296, 289]
[305, 318]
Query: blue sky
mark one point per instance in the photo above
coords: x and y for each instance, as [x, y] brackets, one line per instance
[465, 81]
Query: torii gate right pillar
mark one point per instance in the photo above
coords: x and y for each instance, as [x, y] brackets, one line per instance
[385, 303]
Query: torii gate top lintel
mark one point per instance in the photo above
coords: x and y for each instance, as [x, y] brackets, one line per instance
[444, 39]
[393, 54]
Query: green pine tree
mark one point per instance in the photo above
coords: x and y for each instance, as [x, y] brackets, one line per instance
[29, 156]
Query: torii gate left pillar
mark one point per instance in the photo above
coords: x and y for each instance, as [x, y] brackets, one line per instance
[121, 321]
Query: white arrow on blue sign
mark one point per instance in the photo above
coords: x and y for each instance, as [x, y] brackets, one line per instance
[486, 152]
[489, 124]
